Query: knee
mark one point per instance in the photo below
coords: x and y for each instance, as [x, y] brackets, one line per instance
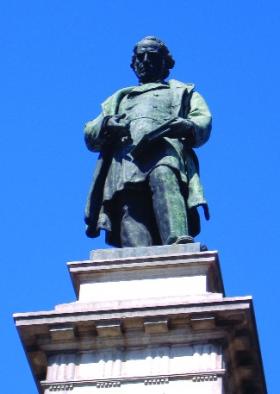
[161, 174]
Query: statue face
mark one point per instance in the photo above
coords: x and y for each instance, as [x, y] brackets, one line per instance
[149, 62]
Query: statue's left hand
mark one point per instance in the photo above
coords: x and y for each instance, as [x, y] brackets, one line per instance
[180, 128]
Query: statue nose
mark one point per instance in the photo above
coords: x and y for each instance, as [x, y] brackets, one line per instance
[146, 57]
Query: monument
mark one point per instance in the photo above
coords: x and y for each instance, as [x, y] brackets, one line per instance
[146, 187]
[151, 314]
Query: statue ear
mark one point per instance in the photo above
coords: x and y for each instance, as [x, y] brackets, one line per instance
[132, 64]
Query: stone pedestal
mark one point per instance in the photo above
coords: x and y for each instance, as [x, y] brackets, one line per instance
[152, 320]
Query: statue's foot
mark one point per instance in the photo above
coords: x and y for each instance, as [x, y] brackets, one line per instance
[89, 232]
[184, 239]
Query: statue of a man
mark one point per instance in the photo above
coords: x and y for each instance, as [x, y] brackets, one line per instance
[146, 187]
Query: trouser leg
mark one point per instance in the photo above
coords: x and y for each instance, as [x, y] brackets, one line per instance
[168, 205]
[136, 219]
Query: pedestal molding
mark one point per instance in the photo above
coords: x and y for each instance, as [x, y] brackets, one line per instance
[151, 379]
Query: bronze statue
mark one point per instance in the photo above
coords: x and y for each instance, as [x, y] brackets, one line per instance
[146, 187]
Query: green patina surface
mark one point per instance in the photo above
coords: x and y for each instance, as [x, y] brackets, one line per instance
[146, 107]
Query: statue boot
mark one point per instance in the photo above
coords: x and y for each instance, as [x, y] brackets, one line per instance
[169, 206]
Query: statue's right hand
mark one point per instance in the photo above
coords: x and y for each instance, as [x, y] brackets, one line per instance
[116, 128]
[114, 121]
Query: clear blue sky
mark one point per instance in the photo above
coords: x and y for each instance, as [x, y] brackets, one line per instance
[60, 60]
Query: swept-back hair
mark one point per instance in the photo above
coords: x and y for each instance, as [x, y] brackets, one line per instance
[168, 59]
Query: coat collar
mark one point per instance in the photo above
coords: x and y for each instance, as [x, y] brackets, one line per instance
[178, 88]
[146, 87]
[172, 83]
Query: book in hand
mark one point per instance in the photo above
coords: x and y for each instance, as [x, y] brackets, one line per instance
[151, 138]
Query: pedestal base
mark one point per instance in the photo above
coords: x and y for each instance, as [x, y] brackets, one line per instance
[153, 319]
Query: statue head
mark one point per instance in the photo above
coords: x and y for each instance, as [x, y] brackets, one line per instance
[151, 60]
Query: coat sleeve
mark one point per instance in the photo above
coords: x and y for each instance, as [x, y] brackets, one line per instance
[199, 114]
[93, 135]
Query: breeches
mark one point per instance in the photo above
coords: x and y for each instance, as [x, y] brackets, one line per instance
[156, 214]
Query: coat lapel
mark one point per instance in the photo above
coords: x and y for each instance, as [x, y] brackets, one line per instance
[178, 90]
[111, 105]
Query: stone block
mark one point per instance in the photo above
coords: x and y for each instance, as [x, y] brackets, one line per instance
[173, 272]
